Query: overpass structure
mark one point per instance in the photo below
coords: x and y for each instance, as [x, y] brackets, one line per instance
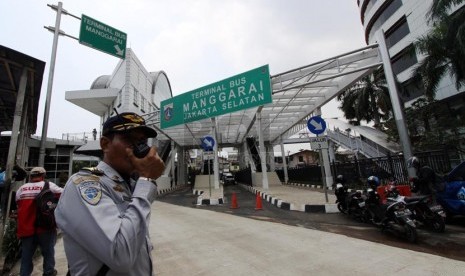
[297, 95]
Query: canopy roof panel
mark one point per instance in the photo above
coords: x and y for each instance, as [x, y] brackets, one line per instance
[12, 65]
[297, 95]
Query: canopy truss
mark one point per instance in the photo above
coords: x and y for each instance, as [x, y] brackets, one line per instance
[297, 95]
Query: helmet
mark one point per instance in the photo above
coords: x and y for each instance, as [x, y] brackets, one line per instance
[413, 162]
[373, 181]
[340, 179]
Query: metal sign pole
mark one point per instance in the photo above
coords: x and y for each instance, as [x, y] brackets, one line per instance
[56, 33]
[209, 176]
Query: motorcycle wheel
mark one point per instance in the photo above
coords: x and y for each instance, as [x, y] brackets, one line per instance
[341, 208]
[410, 233]
[438, 224]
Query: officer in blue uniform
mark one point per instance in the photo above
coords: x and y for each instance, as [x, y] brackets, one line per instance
[104, 212]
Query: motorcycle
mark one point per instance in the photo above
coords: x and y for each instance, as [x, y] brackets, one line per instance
[351, 203]
[341, 195]
[394, 215]
[424, 210]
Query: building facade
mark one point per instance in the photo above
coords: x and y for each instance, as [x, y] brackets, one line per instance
[130, 88]
[403, 22]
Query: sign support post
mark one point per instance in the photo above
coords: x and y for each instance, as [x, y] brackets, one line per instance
[56, 33]
[216, 166]
[317, 126]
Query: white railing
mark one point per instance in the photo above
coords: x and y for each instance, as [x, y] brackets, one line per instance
[355, 144]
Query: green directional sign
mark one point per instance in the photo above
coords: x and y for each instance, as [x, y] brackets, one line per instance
[246, 90]
[102, 37]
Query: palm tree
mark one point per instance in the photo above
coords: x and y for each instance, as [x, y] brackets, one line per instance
[368, 100]
[443, 46]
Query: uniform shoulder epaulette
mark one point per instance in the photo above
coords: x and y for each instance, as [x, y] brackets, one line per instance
[93, 170]
[87, 174]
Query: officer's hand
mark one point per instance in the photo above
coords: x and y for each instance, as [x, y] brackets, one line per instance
[150, 166]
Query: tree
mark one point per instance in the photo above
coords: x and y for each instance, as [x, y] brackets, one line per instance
[368, 100]
[430, 126]
[443, 47]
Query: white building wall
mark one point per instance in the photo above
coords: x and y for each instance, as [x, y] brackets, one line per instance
[130, 76]
[416, 13]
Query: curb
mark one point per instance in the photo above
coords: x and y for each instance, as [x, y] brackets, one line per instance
[164, 191]
[307, 208]
[207, 201]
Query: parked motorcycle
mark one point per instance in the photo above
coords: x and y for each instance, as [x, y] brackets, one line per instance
[341, 193]
[394, 215]
[424, 210]
[351, 203]
[341, 196]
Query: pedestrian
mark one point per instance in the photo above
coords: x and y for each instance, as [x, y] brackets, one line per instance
[104, 211]
[94, 134]
[31, 235]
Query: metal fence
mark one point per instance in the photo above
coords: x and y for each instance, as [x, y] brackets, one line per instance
[358, 170]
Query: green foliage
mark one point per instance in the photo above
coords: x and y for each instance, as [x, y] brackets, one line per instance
[444, 47]
[430, 126]
[11, 246]
[77, 165]
[367, 100]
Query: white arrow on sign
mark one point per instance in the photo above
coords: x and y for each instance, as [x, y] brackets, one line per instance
[318, 126]
[208, 142]
[119, 52]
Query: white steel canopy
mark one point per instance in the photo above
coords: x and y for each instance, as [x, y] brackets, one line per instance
[297, 94]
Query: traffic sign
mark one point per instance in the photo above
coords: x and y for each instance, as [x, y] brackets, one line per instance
[208, 142]
[102, 37]
[316, 125]
[246, 90]
[317, 143]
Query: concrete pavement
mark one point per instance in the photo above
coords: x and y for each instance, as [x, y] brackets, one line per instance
[297, 198]
[191, 241]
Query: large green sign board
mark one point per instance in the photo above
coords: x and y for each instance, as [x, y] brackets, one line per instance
[102, 37]
[246, 90]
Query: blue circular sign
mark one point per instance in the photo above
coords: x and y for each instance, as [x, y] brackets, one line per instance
[316, 125]
[208, 142]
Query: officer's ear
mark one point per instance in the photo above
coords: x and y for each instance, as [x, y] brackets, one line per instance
[104, 143]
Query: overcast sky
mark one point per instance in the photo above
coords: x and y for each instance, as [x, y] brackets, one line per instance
[196, 42]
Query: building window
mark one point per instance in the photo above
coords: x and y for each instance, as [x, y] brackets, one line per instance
[404, 59]
[383, 14]
[412, 89]
[301, 158]
[366, 7]
[142, 103]
[136, 97]
[397, 32]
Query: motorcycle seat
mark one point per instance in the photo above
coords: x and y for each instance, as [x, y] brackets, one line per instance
[413, 199]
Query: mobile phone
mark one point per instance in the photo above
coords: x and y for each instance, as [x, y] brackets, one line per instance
[140, 150]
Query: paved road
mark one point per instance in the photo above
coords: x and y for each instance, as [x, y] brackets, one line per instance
[192, 241]
[449, 244]
[216, 240]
